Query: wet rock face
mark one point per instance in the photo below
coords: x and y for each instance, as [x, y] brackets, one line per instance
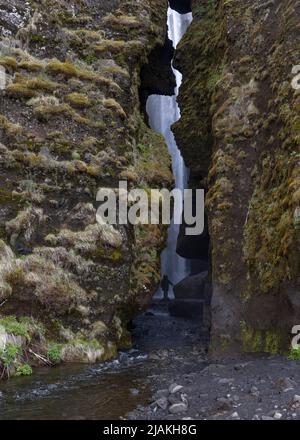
[240, 131]
[70, 123]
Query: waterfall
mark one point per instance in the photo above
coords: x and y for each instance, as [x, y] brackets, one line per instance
[163, 111]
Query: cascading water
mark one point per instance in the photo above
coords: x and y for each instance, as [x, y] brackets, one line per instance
[163, 111]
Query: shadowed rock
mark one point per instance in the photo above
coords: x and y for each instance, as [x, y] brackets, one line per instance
[191, 287]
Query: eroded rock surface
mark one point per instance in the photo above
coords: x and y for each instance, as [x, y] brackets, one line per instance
[239, 134]
[70, 123]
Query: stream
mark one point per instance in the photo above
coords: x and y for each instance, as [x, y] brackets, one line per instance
[164, 346]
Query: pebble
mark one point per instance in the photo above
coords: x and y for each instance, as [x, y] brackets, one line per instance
[241, 366]
[277, 415]
[124, 358]
[163, 353]
[174, 399]
[223, 404]
[178, 408]
[296, 398]
[174, 388]
[254, 391]
[225, 381]
[287, 383]
[266, 418]
[134, 391]
[153, 356]
[162, 403]
[235, 415]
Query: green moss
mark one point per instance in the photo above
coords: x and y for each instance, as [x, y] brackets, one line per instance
[109, 46]
[31, 66]
[90, 59]
[294, 354]
[153, 159]
[255, 340]
[70, 70]
[10, 197]
[20, 90]
[111, 351]
[10, 128]
[59, 68]
[121, 22]
[38, 39]
[225, 342]
[9, 62]
[78, 100]
[46, 112]
[9, 354]
[113, 255]
[202, 70]
[80, 19]
[270, 231]
[115, 106]
[252, 339]
[23, 370]
[224, 277]
[215, 77]
[125, 343]
[13, 326]
[28, 88]
[54, 352]
[94, 171]
[273, 343]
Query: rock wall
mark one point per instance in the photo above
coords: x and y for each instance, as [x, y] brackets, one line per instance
[70, 123]
[239, 134]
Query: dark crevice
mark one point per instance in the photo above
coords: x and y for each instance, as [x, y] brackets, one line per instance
[192, 295]
[157, 77]
[181, 6]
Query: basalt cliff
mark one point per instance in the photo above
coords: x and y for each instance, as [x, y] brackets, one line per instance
[70, 123]
[239, 134]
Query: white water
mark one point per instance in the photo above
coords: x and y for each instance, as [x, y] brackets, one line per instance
[163, 111]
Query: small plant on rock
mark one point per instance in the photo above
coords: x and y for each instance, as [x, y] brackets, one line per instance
[294, 354]
[54, 353]
[24, 370]
[8, 356]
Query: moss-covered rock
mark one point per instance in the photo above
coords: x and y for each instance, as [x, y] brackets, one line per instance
[240, 130]
[70, 124]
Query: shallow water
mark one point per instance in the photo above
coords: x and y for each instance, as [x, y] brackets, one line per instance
[99, 392]
[111, 390]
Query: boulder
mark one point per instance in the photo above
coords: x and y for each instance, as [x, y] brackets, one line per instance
[191, 287]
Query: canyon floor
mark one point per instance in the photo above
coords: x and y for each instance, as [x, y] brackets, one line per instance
[187, 384]
[167, 376]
